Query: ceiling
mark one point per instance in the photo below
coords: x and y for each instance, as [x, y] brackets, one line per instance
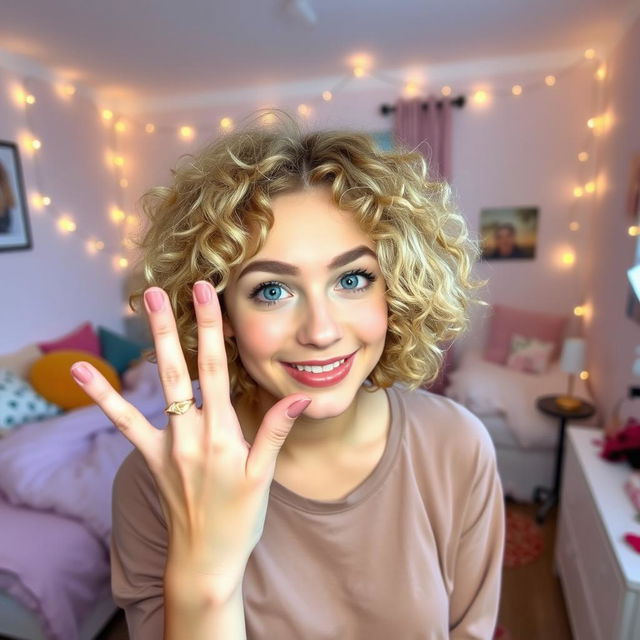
[152, 49]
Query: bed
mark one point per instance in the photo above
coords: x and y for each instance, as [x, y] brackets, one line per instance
[55, 515]
[504, 399]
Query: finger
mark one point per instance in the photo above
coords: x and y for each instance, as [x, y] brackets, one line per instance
[172, 368]
[273, 431]
[212, 357]
[127, 419]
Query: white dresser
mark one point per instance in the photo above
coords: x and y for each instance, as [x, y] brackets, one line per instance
[599, 571]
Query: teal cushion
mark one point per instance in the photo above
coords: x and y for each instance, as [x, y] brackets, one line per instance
[20, 402]
[117, 350]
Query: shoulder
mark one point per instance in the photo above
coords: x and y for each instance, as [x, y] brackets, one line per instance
[440, 425]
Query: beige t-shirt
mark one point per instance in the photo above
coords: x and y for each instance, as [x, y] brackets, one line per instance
[414, 552]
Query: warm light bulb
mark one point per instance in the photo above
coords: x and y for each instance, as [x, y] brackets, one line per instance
[122, 262]
[303, 109]
[480, 97]
[226, 123]
[590, 54]
[411, 88]
[568, 257]
[577, 192]
[550, 80]
[601, 73]
[117, 215]
[327, 96]
[591, 123]
[579, 310]
[583, 156]
[187, 132]
[358, 72]
[634, 230]
[30, 99]
[149, 128]
[68, 90]
[36, 144]
[516, 90]
[107, 114]
[590, 187]
[118, 161]
[446, 90]
[46, 201]
[36, 201]
[584, 375]
[574, 226]
[93, 246]
[121, 126]
[66, 224]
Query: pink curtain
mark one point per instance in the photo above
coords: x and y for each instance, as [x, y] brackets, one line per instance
[426, 131]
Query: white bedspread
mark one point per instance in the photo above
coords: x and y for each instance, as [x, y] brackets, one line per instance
[486, 388]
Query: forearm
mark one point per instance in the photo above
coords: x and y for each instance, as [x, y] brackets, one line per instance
[196, 612]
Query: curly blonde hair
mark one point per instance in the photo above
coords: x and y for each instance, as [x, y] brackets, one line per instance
[216, 214]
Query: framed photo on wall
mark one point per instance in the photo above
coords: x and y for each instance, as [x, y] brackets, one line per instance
[15, 232]
[509, 233]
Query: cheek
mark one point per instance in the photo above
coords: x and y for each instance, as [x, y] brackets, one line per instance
[371, 321]
[262, 335]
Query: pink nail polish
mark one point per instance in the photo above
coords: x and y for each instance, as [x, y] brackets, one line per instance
[297, 408]
[81, 373]
[203, 293]
[155, 300]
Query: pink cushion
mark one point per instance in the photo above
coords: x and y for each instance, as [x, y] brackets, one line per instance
[529, 354]
[84, 338]
[507, 321]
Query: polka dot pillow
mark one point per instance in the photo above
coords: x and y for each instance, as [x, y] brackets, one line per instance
[20, 403]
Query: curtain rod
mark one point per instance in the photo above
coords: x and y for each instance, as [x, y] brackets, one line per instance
[385, 109]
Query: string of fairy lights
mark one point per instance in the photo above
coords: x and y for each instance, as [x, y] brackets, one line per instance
[586, 186]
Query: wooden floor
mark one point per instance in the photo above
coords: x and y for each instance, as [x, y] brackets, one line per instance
[531, 607]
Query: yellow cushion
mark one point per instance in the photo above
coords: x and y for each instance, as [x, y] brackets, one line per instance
[51, 377]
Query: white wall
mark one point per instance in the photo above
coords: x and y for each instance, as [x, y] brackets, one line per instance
[56, 285]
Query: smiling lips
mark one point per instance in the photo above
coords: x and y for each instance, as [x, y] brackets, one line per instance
[320, 373]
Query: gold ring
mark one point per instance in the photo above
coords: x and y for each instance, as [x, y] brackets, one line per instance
[180, 406]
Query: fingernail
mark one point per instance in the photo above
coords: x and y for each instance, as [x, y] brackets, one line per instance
[81, 373]
[154, 299]
[297, 408]
[203, 293]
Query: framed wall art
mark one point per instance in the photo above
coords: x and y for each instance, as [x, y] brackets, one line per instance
[15, 232]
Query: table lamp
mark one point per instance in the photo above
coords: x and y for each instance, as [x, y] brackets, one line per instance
[571, 362]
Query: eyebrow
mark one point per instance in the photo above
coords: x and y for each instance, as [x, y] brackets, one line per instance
[286, 269]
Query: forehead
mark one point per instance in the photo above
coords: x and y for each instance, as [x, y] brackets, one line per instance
[308, 222]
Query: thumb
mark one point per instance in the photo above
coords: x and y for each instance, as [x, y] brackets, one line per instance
[273, 431]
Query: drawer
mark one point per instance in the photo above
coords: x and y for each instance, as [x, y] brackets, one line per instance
[579, 608]
[594, 557]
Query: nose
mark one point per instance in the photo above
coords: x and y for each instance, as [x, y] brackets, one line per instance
[320, 324]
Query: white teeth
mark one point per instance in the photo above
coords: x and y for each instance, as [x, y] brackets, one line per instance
[317, 369]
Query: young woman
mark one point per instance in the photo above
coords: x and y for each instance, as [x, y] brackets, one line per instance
[318, 492]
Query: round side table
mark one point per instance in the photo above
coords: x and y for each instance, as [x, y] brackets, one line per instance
[547, 404]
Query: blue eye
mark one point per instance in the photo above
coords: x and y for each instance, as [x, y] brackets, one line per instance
[268, 293]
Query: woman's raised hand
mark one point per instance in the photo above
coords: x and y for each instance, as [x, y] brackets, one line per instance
[213, 485]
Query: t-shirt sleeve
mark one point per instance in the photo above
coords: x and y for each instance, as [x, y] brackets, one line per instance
[475, 599]
[138, 549]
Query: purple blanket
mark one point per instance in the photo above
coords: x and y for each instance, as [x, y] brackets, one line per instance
[67, 463]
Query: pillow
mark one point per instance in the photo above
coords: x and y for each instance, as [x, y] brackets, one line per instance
[20, 361]
[529, 354]
[118, 350]
[51, 377]
[442, 381]
[20, 403]
[506, 321]
[83, 338]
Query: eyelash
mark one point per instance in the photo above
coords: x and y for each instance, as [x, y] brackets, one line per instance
[356, 272]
